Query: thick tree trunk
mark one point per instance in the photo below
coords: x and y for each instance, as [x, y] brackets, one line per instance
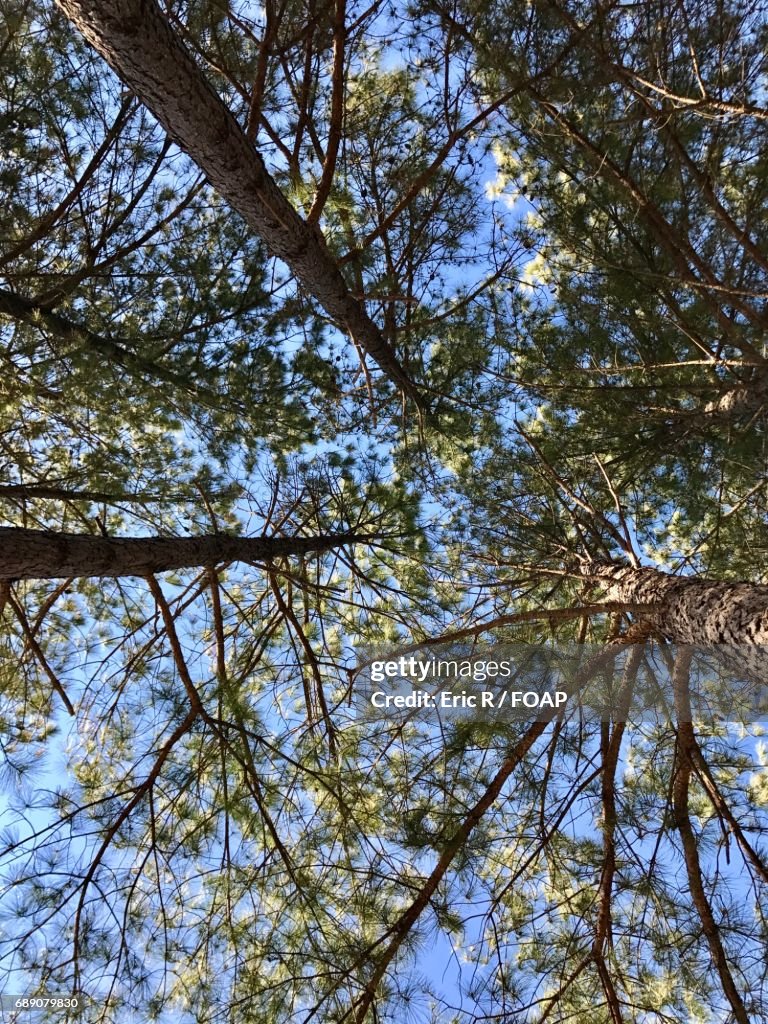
[136, 40]
[688, 610]
[40, 554]
[743, 402]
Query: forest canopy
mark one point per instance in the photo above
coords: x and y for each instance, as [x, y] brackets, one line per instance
[330, 329]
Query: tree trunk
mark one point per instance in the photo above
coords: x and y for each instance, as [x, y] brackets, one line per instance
[40, 554]
[689, 610]
[742, 402]
[137, 42]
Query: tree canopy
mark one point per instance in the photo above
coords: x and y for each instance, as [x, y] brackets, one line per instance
[337, 328]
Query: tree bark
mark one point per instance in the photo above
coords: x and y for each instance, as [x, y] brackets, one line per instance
[42, 554]
[137, 42]
[742, 402]
[690, 610]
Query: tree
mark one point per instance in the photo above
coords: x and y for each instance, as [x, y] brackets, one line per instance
[642, 316]
[41, 554]
[140, 45]
[691, 611]
[214, 512]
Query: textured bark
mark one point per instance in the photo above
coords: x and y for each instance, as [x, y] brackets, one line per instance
[688, 610]
[40, 554]
[739, 403]
[136, 41]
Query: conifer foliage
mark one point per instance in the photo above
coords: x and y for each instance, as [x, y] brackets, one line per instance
[331, 328]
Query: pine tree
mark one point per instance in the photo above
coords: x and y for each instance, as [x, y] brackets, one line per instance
[215, 508]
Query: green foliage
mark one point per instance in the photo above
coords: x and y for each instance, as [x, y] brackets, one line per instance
[553, 213]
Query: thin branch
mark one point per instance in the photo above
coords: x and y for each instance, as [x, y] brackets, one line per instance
[34, 646]
[628, 547]
[680, 790]
[337, 114]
